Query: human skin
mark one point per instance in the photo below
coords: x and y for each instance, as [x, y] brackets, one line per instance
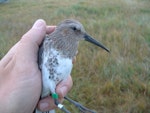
[20, 77]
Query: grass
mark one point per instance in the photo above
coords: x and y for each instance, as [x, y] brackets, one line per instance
[118, 82]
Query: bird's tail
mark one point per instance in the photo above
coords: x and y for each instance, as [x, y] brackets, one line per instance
[38, 111]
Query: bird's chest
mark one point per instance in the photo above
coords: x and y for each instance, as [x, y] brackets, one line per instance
[55, 67]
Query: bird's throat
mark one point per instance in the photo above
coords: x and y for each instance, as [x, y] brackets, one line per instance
[65, 46]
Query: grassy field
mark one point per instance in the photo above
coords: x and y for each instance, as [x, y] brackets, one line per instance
[118, 82]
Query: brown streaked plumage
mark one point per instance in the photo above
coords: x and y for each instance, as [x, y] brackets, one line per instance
[57, 52]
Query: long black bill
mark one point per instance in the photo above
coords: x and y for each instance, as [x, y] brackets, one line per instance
[95, 42]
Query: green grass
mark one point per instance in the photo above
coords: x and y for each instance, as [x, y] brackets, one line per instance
[118, 82]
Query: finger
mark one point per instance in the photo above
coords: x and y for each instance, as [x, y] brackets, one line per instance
[74, 60]
[36, 33]
[64, 87]
[29, 44]
[50, 29]
[8, 56]
[46, 104]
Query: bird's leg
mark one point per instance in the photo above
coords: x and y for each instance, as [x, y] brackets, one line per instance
[79, 106]
[59, 105]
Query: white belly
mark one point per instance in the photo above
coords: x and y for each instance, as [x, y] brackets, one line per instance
[55, 68]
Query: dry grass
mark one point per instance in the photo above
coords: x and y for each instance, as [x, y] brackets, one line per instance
[118, 82]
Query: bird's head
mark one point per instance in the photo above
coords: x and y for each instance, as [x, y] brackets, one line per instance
[74, 30]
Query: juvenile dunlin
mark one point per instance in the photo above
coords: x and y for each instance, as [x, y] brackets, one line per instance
[56, 54]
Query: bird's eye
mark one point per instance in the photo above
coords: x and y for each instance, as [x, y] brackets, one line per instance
[74, 28]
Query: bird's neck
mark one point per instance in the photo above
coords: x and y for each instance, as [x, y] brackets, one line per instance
[65, 45]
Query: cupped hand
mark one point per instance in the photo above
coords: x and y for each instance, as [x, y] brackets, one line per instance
[20, 77]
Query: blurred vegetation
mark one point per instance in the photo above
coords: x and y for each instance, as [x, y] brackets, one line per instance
[118, 82]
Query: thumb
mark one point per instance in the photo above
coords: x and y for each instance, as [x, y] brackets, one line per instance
[29, 44]
[36, 33]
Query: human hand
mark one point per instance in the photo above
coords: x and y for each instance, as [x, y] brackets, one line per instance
[20, 77]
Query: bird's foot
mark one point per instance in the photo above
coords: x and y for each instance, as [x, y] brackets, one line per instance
[80, 106]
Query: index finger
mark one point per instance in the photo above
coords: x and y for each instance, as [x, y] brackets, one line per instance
[50, 29]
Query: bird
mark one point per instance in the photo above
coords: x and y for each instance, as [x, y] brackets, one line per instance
[56, 54]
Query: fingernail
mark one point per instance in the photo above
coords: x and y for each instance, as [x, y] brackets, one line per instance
[38, 24]
[43, 106]
[63, 90]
